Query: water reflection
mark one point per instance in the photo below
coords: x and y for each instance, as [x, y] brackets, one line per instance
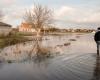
[36, 47]
[96, 74]
[75, 63]
[48, 46]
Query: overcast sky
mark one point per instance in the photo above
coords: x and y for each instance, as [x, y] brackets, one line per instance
[67, 13]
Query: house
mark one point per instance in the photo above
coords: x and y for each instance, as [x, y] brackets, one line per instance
[5, 28]
[26, 27]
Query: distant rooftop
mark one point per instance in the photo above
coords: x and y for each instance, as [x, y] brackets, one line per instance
[4, 24]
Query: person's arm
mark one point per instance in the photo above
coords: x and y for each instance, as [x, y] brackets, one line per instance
[96, 36]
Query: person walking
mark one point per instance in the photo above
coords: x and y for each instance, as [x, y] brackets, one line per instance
[97, 39]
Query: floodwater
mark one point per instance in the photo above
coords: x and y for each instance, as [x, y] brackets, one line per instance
[76, 60]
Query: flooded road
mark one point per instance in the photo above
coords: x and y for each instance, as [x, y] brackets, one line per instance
[76, 60]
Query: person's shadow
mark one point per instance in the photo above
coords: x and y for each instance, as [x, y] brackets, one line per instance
[96, 74]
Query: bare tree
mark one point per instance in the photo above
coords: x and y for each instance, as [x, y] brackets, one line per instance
[1, 15]
[39, 17]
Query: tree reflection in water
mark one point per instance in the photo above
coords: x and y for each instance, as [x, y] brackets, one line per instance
[39, 51]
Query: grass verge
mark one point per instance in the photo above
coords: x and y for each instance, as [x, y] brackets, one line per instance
[11, 40]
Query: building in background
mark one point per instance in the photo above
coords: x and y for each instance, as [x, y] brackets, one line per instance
[5, 29]
[26, 27]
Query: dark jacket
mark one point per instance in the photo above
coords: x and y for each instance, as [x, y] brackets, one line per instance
[97, 36]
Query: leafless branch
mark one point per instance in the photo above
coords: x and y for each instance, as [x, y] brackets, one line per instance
[39, 16]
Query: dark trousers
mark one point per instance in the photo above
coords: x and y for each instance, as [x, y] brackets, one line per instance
[98, 44]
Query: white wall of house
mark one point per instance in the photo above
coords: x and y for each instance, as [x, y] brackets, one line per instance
[4, 30]
[27, 29]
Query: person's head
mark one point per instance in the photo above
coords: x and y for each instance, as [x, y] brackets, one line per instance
[98, 28]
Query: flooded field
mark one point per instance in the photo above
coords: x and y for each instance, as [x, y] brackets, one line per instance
[73, 58]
